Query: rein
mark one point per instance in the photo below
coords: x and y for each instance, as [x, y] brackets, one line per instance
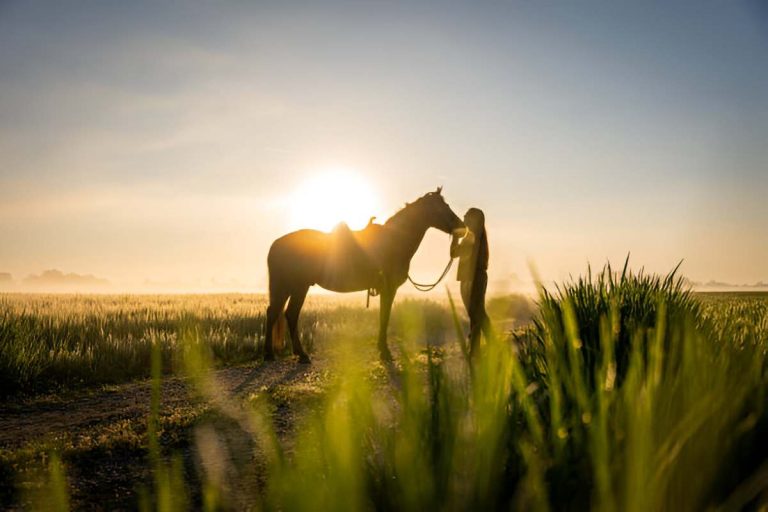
[427, 287]
[373, 292]
[422, 287]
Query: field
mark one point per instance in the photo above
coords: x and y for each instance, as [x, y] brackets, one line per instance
[616, 391]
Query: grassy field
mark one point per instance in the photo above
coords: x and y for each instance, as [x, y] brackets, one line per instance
[50, 342]
[618, 391]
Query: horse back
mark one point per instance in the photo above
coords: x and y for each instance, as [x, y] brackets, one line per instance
[343, 260]
[304, 244]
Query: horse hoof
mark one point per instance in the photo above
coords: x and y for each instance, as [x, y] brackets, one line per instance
[386, 356]
[269, 357]
[304, 359]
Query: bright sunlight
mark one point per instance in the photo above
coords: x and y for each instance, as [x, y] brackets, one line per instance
[329, 197]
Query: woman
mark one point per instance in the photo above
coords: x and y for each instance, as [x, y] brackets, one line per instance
[472, 251]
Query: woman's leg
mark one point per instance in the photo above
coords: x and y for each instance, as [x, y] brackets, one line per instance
[466, 295]
[466, 298]
[478, 319]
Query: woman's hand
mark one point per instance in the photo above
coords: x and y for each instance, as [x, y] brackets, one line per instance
[460, 232]
[461, 242]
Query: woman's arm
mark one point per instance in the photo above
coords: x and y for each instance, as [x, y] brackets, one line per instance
[454, 246]
[462, 247]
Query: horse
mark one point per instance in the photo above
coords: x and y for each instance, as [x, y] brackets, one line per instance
[375, 258]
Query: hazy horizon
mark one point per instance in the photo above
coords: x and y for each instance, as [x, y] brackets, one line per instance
[166, 145]
[55, 281]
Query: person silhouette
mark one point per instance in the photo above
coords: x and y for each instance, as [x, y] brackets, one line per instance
[472, 251]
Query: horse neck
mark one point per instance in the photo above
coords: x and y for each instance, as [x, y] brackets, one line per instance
[410, 227]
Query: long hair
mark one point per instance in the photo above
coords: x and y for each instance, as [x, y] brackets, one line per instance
[476, 221]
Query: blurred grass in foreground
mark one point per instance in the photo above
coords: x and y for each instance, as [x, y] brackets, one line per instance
[639, 401]
[627, 393]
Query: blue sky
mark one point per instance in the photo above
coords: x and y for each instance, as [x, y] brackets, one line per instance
[142, 141]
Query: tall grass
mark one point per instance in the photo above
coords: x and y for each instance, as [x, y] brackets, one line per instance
[53, 341]
[640, 402]
[641, 399]
[627, 393]
[49, 341]
[642, 391]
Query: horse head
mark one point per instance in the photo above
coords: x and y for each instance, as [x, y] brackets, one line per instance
[437, 213]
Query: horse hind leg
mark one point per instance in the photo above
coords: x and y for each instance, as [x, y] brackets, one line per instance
[292, 316]
[277, 302]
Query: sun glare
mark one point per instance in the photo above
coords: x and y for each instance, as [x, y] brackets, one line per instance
[329, 197]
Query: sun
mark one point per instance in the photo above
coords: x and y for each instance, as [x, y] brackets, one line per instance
[331, 196]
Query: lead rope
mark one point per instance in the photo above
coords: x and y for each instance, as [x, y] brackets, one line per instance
[427, 287]
[373, 292]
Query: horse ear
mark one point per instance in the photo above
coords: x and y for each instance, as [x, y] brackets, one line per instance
[439, 190]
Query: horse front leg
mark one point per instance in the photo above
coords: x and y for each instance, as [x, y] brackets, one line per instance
[385, 308]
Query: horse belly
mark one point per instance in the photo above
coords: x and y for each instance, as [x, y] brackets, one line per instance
[345, 283]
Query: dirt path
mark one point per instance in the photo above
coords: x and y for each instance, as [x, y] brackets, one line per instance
[48, 416]
[103, 432]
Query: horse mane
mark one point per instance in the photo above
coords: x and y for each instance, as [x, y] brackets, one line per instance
[399, 215]
[403, 213]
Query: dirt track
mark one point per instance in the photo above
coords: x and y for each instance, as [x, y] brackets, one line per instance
[48, 416]
[103, 430]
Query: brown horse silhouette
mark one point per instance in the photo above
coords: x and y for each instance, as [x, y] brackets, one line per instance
[376, 257]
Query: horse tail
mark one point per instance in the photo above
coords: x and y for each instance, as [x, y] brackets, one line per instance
[278, 333]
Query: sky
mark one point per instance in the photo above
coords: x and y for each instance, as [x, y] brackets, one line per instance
[165, 145]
